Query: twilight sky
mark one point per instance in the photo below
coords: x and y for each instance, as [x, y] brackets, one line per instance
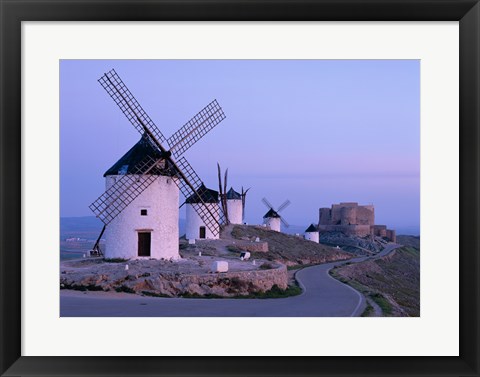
[316, 132]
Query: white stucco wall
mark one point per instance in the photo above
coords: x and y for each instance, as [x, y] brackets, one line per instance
[194, 222]
[234, 209]
[312, 236]
[160, 200]
[273, 223]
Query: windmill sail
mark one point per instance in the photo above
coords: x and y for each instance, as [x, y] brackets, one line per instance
[125, 100]
[125, 190]
[130, 186]
[196, 128]
[212, 220]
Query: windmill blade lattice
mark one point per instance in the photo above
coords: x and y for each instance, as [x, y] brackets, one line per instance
[284, 205]
[125, 100]
[284, 222]
[195, 128]
[199, 191]
[267, 203]
[125, 190]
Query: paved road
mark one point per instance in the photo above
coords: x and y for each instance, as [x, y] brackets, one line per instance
[323, 296]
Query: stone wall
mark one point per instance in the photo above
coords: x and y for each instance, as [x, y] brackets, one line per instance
[226, 284]
[353, 230]
[260, 247]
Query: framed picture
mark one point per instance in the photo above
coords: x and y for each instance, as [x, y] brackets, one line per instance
[397, 84]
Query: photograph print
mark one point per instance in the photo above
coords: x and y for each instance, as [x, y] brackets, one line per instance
[239, 188]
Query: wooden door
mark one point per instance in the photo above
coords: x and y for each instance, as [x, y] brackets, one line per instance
[202, 232]
[144, 242]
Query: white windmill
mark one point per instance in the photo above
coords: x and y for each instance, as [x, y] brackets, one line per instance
[272, 219]
[234, 206]
[312, 234]
[139, 208]
[195, 226]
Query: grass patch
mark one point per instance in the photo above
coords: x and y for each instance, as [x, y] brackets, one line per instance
[266, 266]
[275, 292]
[82, 288]
[125, 289]
[234, 249]
[115, 260]
[368, 311]
[300, 266]
[196, 295]
[382, 302]
[154, 294]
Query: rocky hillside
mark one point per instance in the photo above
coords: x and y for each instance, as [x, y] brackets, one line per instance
[390, 283]
[284, 248]
[355, 244]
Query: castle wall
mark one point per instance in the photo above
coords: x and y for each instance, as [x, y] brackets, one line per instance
[352, 219]
[353, 230]
[324, 216]
[234, 208]
[365, 215]
[194, 222]
[392, 235]
[160, 200]
[348, 215]
[380, 230]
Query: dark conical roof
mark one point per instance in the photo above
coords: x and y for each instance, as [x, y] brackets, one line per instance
[130, 160]
[207, 195]
[311, 228]
[232, 194]
[271, 213]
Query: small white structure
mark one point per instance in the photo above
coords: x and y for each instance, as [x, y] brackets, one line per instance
[148, 227]
[272, 220]
[234, 207]
[312, 234]
[195, 227]
[219, 266]
[245, 255]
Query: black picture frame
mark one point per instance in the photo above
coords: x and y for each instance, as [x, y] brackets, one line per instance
[13, 12]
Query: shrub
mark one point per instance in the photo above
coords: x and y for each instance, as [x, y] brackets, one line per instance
[115, 260]
[125, 289]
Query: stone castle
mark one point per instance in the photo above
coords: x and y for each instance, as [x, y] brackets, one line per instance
[353, 219]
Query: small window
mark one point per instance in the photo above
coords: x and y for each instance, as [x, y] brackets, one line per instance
[143, 212]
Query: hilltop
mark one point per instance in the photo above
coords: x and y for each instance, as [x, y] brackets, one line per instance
[284, 248]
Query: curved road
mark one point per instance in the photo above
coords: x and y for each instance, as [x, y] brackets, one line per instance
[323, 296]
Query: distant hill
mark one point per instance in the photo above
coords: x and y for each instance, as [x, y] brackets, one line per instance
[90, 227]
[411, 241]
[71, 226]
[408, 230]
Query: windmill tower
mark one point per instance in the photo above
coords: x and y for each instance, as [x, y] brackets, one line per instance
[272, 219]
[196, 228]
[234, 207]
[312, 234]
[148, 227]
[139, 208]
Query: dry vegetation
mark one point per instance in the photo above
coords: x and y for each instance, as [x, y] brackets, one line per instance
[288, 249]
[392, 282]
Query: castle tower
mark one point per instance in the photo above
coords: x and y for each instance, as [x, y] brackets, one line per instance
[195, 226]
[234, 207]
[312, 234]
[272, 220]
[148, 227]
